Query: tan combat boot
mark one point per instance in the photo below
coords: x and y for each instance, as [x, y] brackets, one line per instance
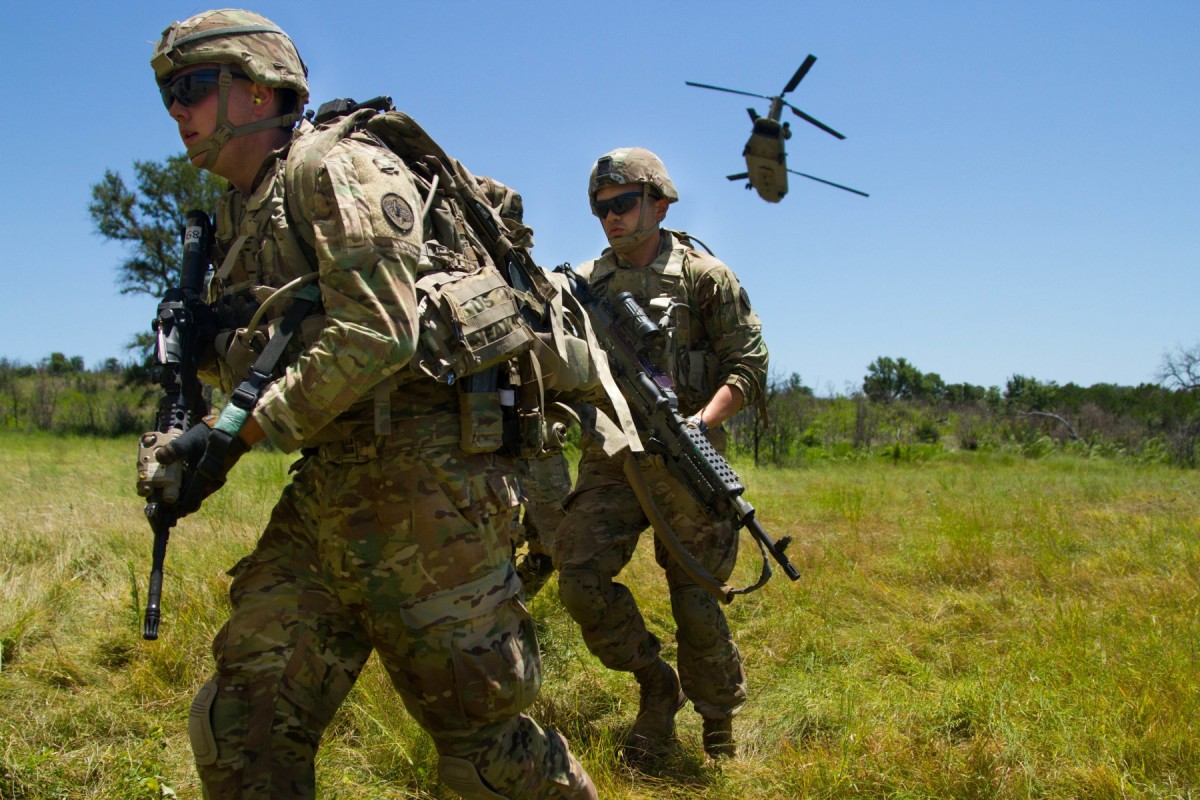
[718, 738]
[661, 699]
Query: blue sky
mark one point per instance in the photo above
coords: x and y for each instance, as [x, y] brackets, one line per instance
[1033, 166]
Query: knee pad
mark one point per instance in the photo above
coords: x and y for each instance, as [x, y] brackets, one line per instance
[461, 776]
[204, 742]
[583, 594]
[699, 619]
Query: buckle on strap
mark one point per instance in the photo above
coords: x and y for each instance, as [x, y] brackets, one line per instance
[246, 395]
[355, 450]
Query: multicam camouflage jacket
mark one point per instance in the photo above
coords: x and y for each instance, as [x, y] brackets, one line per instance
[364, 210]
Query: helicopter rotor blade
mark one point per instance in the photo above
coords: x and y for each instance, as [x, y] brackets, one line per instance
[723, 89]
[800, 73]
[741, 176]
[813, 120]
[829, 183]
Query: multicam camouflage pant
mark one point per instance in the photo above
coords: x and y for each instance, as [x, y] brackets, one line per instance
[545, 483]
[595, 542]
[407, 554]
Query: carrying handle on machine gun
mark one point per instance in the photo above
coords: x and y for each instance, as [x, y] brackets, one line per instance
[342, 106]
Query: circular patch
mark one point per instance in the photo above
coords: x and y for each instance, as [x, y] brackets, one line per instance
[398, 212]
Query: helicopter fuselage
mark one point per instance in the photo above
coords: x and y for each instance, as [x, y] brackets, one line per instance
[766, 161]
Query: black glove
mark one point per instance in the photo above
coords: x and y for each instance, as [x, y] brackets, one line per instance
[207, 455]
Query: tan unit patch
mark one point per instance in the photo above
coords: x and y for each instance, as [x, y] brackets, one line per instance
[398, 212]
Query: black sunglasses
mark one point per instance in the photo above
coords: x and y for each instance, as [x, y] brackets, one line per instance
[619, 205]
[193, 87]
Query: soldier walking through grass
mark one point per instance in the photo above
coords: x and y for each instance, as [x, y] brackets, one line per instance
[714, 352]
[390, 537]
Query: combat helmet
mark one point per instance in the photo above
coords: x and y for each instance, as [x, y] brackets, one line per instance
[238, 41]
[631, 165]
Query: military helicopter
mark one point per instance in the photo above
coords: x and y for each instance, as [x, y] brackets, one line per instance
[766, 161]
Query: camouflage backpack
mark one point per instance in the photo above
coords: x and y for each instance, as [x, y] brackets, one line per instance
[475, 288]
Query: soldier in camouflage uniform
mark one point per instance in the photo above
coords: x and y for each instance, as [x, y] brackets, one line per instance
[715, 354]
[389, 537]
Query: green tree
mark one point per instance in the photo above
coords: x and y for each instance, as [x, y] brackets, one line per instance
[1029, 394]
[961, 394]
[890, 379]
[931, 387]
[150, 218]
[58, 364]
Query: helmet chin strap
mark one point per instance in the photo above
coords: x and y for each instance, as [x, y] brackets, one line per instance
[225, 130]
[646, 229]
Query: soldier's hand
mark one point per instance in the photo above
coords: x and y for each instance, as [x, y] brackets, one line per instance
[208, 456]
[188, 447]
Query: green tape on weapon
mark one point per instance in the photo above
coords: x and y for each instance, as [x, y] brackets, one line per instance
[231, 420]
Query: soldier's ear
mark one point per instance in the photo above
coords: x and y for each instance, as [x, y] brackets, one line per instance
[261, 98]
[660, 208]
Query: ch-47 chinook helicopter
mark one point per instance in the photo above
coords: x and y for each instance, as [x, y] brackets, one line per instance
[766, 161]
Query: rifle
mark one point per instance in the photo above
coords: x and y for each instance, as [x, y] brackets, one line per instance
[627, 336]
[181, 315]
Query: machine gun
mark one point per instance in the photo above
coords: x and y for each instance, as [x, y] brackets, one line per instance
[181, 315]
[627, 336]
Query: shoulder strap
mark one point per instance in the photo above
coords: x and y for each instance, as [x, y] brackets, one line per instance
[304, 158]
[689, 240]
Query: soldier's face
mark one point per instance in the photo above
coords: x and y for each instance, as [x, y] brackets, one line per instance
[196, 113]
[618, 215]
[619, 224]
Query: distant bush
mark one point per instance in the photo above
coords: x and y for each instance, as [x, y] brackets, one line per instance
[59, 396]
[1032, 419]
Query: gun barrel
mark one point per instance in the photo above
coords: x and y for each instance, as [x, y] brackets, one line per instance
[775, 548]
[687, 453]
[197, 243]
[162, 533]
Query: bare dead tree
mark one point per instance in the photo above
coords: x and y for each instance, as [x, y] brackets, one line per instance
[1180, 369]
[1070, 429]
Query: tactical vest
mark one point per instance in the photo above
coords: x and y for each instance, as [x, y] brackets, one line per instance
[261, 255]
[686, 354]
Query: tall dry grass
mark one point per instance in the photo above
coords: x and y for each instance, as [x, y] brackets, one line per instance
[975, 627]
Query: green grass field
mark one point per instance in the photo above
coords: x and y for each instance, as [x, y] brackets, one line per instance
[980, 626]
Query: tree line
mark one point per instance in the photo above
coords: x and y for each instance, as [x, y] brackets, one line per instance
[58, 395]
[901, 413]
[898, 413]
